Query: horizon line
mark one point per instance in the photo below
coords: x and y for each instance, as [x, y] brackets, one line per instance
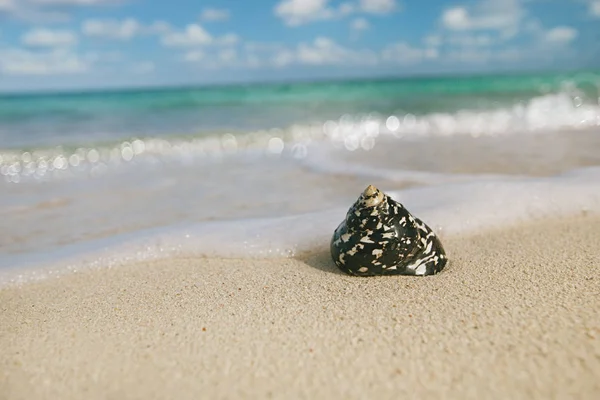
[276, 82]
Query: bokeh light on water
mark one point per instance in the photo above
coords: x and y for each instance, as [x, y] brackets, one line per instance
[569, 104]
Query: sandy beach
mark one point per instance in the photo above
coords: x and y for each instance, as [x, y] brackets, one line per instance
[514, 315]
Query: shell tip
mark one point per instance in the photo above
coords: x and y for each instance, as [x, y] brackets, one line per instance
[370, 191]
[371, 197]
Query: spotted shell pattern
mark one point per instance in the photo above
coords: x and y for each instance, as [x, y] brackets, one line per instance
[380, 237]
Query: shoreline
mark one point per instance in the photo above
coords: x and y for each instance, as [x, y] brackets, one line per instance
[511, 316]
[461, 208]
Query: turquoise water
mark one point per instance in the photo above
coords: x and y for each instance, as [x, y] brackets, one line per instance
[262, 170]
[81, 118]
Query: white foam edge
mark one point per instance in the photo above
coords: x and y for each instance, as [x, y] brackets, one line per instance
[450, 209]
[325, 160]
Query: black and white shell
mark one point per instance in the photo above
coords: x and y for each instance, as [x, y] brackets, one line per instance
[380, 237]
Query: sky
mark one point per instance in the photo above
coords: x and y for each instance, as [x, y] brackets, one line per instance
[76, 44]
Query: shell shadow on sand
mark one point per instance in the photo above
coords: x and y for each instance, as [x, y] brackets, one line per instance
[320, 259]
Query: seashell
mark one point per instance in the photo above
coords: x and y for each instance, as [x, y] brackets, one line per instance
[380, 237]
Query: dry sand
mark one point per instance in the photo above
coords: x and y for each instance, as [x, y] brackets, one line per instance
[515, 315]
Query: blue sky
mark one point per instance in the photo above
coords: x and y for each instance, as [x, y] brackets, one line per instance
[66, 44]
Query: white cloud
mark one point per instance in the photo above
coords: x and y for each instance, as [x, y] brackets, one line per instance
[299, 12]
[323, 51]
[378, 6]
[561, 35]
[157, 27]
[112, 28]
[24, 10]
[403, 53]
[35, 16]
[7, 5]
[54, 62]
[594, 8]
[547, 44]
[193, 35]
[47, 10]
[227, 56]
[359, 24]
[474, 55]
[346, 9]
[121, 29]
[214, 14]
[504, 16]
[228, 39]
[41, 37]
[223, 58]
[11, 5]
[456, 18]
[194, 56]
[283, 58]
[433, 40]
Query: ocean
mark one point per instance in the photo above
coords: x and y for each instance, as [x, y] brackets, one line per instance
[101, 178]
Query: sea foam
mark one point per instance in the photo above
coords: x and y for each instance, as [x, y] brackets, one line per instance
[452, 208]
